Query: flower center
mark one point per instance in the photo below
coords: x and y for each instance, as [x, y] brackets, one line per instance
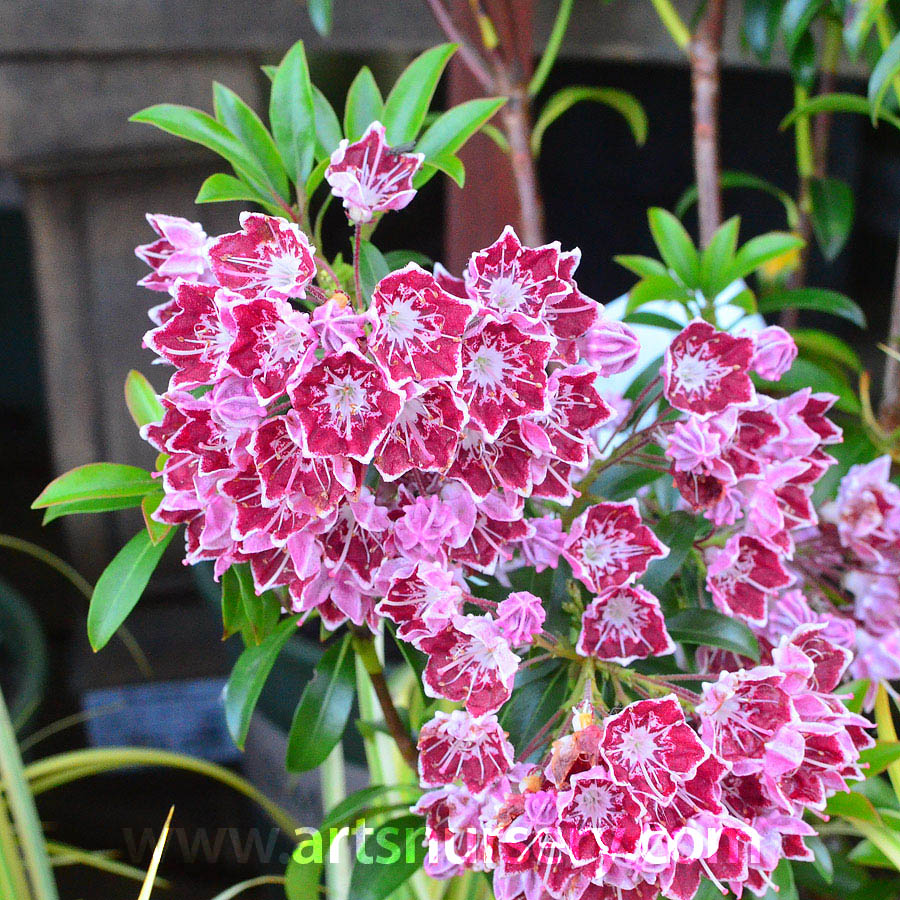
[487, 367]
[506, 293]
[400, 320]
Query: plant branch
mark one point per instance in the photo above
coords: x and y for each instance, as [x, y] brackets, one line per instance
[889, 410]
[357, 280]
[705, 53]
[364, 645]
[467, 52]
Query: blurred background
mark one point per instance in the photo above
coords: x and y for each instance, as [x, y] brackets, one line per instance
[75, 181]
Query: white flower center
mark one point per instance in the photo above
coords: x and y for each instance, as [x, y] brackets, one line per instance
[694, 372]
[284, 271]
[400, 320]
[506, 292]
[593, 804]
[620, 609]
[638, 745]
[487, 367]
[344, 397]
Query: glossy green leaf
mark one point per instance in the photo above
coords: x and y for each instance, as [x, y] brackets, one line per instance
[363, 105]
[760, 26]
[248, 677]
[823, 862]
[710, 628]
[677, 531]
[81, 507]
[814, 343]
[223, 188]
[879, 757]
[451, 166]
[747, 181]
[783, 885]
[96, 482]
[865, 853]
[454, 127]
[407, 104]
[156, 530]
[882, 75]
[345, 813]
[537, 695]
[859, 19]
[655, 287]
[397, 259]
[796, 17]
[853, 805]
[654, 320]
[321, 716]
[120, 586]
[200, 128]
[831, 214]
[675, 246]
[817, 299]
[627, 105]
[372, 267]
[292, 114]
[328, 128]
[717, 258]
[321, 14]
[825, 377]
[256, 616]
[248, 128]
[838, 102]
[643, 266]
[141, 400]
[761, 249]
[387, 858]
[803, 62]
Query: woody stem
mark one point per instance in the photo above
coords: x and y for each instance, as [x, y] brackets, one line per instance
[364, 645]
[357, 280]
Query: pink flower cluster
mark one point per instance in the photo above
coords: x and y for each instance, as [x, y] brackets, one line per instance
[650, 799]
[459, 398]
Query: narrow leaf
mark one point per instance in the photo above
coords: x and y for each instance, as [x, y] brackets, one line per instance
[372, 267]
[397, 849]
[627, 105]
[328, 128]
[760, 250]
[223, 188]
[711, 629]
[675, 246]
[156, 530]
[97, 481]
[363, 105]
[292, 114]
[248, 677]
[817, 299]
[882, 75]
[120, 586]
[141, 399]
[408, 102]
[831, 214]
[322, 713]
[453, 128]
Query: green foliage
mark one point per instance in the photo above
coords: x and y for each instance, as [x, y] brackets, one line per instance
[831, 214]
[324, 708]
[710, 628]
[120, 586]
[398, 850]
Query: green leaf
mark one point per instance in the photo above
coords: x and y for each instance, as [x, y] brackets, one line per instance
[805, 372]
[823, 862]
[453, 128]
[320, 14]
[244, 611]
[783, 886]
[859, 18]
[795, 21]
[642, 266]
[120, 586]
[222, 188]
[141, 400]
[762, 249]
[96, 482]
[372, 268]
[624, 103]
[853, 805]
[831, 214]
[292, 113]
[677, 531]
[865, 853]
[397, 259]
[712, 629]
[716, 260]
[248, 677]
[879, 757]
[321, 716]
[81, 507]
[760, 26]
[655, 320]
[814, 343]
[656, 287]
[328, 128]
[803, 62]
[387, 858]
[408, 102]
[538, 693]
[359, 802]
[882, 75]
[248, 128]
[156, 530]
[817, 299]
[363, 105]
[748, 181]
[839, 102]
[200, 128]
[675, 246]
[317, 176]
[451, 166]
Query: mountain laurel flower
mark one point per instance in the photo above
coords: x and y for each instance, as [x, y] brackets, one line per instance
[520, 617]
[371, 177]
[774, 354]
